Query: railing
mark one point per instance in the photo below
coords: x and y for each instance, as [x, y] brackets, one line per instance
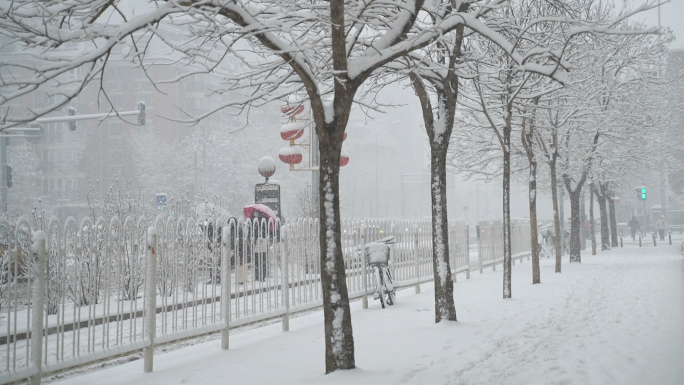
[490, 243]
[102, 288]
[520, 240]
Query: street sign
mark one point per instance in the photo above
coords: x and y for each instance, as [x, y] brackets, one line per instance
[268, 195]
[161, 200]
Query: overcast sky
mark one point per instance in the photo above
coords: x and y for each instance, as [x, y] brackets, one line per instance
[671, 16]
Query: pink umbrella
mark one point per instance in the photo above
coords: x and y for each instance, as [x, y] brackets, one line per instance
[265, 211]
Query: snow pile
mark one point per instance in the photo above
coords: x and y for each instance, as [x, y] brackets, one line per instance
[616, 318]
[152, 236]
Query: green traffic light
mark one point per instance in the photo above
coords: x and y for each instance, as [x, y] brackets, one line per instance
[643, 193]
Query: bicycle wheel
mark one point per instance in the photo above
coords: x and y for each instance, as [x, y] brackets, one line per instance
[380, 286]
[388, 287]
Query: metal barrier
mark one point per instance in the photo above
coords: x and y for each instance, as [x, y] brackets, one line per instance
[490, 243]
[520, 240]
[71, 294]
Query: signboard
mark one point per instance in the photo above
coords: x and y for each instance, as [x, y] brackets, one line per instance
[268, 195]
[161, 200]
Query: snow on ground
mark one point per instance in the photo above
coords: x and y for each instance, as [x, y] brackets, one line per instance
[616, 318]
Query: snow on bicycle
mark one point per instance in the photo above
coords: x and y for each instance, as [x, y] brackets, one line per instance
[378, 258]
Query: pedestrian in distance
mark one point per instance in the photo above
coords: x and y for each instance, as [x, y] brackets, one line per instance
[634, 226]
[661, 226]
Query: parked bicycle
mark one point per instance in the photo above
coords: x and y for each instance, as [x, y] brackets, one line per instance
[545, 238]
[377, 258]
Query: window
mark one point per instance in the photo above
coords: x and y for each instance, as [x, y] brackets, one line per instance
[42, 99]
[45, 160]
[72, 75]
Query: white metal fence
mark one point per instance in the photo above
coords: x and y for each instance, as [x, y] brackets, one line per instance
[490, 244]
[73, 293]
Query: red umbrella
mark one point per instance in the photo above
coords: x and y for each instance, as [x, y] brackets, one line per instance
[266, 211]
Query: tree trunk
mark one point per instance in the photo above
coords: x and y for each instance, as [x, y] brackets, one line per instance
[534, 242]
[605, 233]
[575, 247]
[507, 210]
[445, 308]
[527, 134]
[613, 222]
[339, 340]
[444, 285]
[592, 223]
[556, 217]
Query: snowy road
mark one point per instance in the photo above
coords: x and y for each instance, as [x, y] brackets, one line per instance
[616, 318]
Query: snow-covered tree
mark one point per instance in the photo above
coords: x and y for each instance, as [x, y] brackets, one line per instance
[325, 49]
[435, 76]
[559, 110]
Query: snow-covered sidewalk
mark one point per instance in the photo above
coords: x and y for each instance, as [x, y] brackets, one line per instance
[616, 318]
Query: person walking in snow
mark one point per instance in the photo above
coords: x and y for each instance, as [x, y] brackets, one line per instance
[661, 225]
[634, 226]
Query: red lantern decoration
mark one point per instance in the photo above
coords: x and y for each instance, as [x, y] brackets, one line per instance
[292, 130]
[344, 158]
[344, 137]
[290, 155]
[292, 110]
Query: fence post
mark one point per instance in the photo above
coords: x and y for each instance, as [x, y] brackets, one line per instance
[639, 239]
[669, 235]
[416, 252]
[467, 247]
[225, 286]
[364, 272]
[38, 257]
[150, 310]
[286, 285]
[479, 246]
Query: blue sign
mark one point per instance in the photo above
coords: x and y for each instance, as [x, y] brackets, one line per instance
[161, 200]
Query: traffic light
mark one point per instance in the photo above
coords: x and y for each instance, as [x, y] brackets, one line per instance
[643, 193]
[9, 176]
[141, 113]
[71, 111]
